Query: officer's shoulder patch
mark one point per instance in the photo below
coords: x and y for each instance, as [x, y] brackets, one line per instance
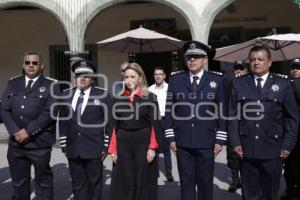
[101, 88]
[51, 79]
[176, 72]
[15, 77]
[215, 73]
[281, 76]
[241, 75]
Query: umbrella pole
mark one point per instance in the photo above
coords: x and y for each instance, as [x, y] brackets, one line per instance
[141, 52]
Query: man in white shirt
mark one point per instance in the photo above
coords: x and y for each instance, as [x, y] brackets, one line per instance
[160, 88]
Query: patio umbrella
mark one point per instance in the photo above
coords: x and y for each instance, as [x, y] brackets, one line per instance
[140, 40]
[282, 46]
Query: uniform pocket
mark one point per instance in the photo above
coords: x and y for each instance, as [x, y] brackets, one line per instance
[276, 98]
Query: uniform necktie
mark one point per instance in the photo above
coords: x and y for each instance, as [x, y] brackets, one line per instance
[258, 86]
[79, 103]
[29, 84]
[194, 83]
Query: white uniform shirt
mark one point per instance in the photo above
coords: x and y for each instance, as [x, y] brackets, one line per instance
[199, 74]
[161, 93]
[85, 99]
[263, 81]
[34, 80]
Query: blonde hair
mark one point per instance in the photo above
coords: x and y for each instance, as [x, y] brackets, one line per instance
[143, 81]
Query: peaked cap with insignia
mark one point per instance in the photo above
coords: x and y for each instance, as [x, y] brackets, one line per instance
[83, 67]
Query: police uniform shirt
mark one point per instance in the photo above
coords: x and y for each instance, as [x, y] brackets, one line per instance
[264, 78]
[161, 94]
[199, 74]
[85, 99]
[27, 80]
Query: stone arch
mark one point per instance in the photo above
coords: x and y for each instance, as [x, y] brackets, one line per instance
[179, 6]
[211, 10]
[49, 6]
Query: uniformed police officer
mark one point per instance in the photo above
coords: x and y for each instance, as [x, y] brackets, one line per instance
[292, 163]
[25, 111]
[193, 127]
[239, 68]
[265, 131]
[83, 130]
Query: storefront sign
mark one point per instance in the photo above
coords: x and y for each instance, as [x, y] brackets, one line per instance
[236, 20]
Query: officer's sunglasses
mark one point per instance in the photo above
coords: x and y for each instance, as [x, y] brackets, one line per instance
[189, 57]
[295, 67]
[32, 62]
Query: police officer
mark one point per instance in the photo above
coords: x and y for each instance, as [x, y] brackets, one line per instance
[192, 126]
[239, 68]
[26, 113]
[263, 130]
[292, 163]
[83, 130]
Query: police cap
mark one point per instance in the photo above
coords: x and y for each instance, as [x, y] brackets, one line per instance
[295, 63]
[239, 65]
[83, 67]
[195, 48]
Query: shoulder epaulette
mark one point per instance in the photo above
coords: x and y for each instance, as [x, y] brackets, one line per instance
[51, 79]
[282, 76]
[101, 88]
[216, 73]
[15, 77]
[177, 72]
[241, 75]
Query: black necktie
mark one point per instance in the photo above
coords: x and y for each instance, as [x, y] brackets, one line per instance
[194, 83]
[79, 103]
[258, 86]
[29, 84]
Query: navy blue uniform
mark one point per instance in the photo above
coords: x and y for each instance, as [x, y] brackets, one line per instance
[83, 139]
[192, 120]
[262, 132]
[30, 109]
[292, 163]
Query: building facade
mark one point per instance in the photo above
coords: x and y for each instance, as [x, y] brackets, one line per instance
[57, 27]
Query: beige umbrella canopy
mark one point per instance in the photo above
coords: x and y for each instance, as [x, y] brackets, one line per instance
[282, 46]
[140, 40]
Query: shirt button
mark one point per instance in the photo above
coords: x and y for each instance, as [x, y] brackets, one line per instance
[193, 115]
[275, 100]
[258, 101]
[256, 137]
[257, 125]
[21, 117]
[192, 125]
[276, 136]
[24, 97]
[78, 133]
[257, 113]
[243, 97]
[22, 106]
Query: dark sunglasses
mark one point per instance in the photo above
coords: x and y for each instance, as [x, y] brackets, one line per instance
[295, 67]
[32, 62]
[189, 57]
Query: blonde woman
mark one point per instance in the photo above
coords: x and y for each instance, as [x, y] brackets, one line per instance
[135, 140]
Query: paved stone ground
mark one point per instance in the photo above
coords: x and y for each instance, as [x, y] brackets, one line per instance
[166, 190]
